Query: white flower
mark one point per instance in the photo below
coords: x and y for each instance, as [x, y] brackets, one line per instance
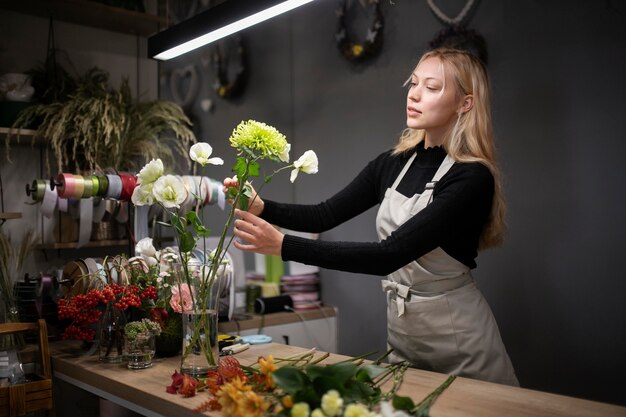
[387, 410]
[151, 172]
[142, 195]
[284, 155]
[169, 191]
[318, 413]
[145, 247]
[357, 410]
[200, 153]
[146, 250]
[300, 410]
[332, 403]
[307, 163]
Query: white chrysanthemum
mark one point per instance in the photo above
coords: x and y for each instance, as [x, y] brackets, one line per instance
[357, 410]
[300, 410]
[151, 172]
[142, 195]
[169, 191]
[201, 152]
[332, 403]
[307, 163]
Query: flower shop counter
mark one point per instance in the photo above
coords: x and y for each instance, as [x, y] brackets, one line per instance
[143, 391]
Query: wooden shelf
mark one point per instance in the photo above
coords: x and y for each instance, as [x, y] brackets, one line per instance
[9, 216]
[21, 136]
[90, 13]
[91, 244]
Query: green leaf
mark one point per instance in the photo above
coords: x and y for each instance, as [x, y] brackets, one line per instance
[240, 167]
[253, 169]
[402, 403]
[176, 222]
[290, 380]
[309, 396]
[196, 222]
[368, 372]
[187, 242]
[342, 372]
[232, 192]
[325, 383]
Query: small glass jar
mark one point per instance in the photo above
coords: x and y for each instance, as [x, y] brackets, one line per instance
[139, 352]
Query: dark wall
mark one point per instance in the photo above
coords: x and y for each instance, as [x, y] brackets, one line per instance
[557, 70]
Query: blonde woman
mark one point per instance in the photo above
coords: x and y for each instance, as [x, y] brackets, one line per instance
[439, 200]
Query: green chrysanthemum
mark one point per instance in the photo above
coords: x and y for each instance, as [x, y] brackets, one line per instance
[262, 140]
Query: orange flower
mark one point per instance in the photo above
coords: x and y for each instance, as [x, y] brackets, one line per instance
[267, 368]
[287, 401]
[252, 405]
[230, 395]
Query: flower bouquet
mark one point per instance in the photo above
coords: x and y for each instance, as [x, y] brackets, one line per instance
[197, 276]
[300, 386]
[140, 342]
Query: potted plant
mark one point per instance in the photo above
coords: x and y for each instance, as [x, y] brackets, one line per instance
[140, 342]
[96, 126]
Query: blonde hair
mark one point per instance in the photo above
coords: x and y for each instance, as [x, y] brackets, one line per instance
[471, 138]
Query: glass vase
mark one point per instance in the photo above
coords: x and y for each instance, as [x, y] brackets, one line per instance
[111, 340]
[200, 353]
[140, 352]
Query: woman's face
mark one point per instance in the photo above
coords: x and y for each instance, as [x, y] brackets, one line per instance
[432, 102]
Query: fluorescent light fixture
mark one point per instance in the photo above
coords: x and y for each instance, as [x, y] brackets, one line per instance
[215, 23]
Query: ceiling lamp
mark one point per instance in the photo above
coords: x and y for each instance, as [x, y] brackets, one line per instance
[215, 23]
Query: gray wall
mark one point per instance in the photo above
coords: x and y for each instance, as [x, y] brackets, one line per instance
[558, 77]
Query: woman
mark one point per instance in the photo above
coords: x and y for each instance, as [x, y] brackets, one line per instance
[440, 201]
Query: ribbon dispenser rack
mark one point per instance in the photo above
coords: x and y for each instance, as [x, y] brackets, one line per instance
[96, 210]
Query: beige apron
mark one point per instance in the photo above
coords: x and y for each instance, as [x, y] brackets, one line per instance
[437, 318]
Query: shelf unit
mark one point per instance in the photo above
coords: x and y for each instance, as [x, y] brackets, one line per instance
[26, 136]
[21, 136]
[92, 14]
[90, 244]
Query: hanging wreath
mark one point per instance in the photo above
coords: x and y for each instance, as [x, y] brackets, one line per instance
[371, 46]
[221, 58]
[456, 35]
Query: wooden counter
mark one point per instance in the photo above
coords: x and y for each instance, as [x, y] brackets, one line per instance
[144, 391]
[255, 321]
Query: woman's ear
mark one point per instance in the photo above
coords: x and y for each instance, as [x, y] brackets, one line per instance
[467, 103]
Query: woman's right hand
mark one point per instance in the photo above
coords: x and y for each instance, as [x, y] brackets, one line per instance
[256, 203]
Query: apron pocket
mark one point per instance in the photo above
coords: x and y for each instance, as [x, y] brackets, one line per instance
[424, 334]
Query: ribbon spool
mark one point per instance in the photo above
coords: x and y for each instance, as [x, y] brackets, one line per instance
[37, 190]
[64, 183]
[103, 185]
[114, 190]
[75, 277]
[129, 182]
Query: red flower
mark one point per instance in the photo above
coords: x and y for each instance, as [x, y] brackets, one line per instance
[177, 381]
[182, 384]
[230, 368]
[189, 386]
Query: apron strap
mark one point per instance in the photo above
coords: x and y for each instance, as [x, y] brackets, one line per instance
[402, 293]
[424, 289]
[404, 170]
[426, 197]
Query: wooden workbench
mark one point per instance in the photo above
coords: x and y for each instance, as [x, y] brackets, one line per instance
[144, 391]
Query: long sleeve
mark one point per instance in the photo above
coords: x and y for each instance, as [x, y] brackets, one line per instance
[453, 221]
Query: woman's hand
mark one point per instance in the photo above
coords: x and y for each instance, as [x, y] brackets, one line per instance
[256, 235]
[256, 203]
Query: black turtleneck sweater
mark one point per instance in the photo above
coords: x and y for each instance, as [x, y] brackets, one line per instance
[453, 220]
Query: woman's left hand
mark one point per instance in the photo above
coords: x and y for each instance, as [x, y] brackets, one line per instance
[256, 235]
